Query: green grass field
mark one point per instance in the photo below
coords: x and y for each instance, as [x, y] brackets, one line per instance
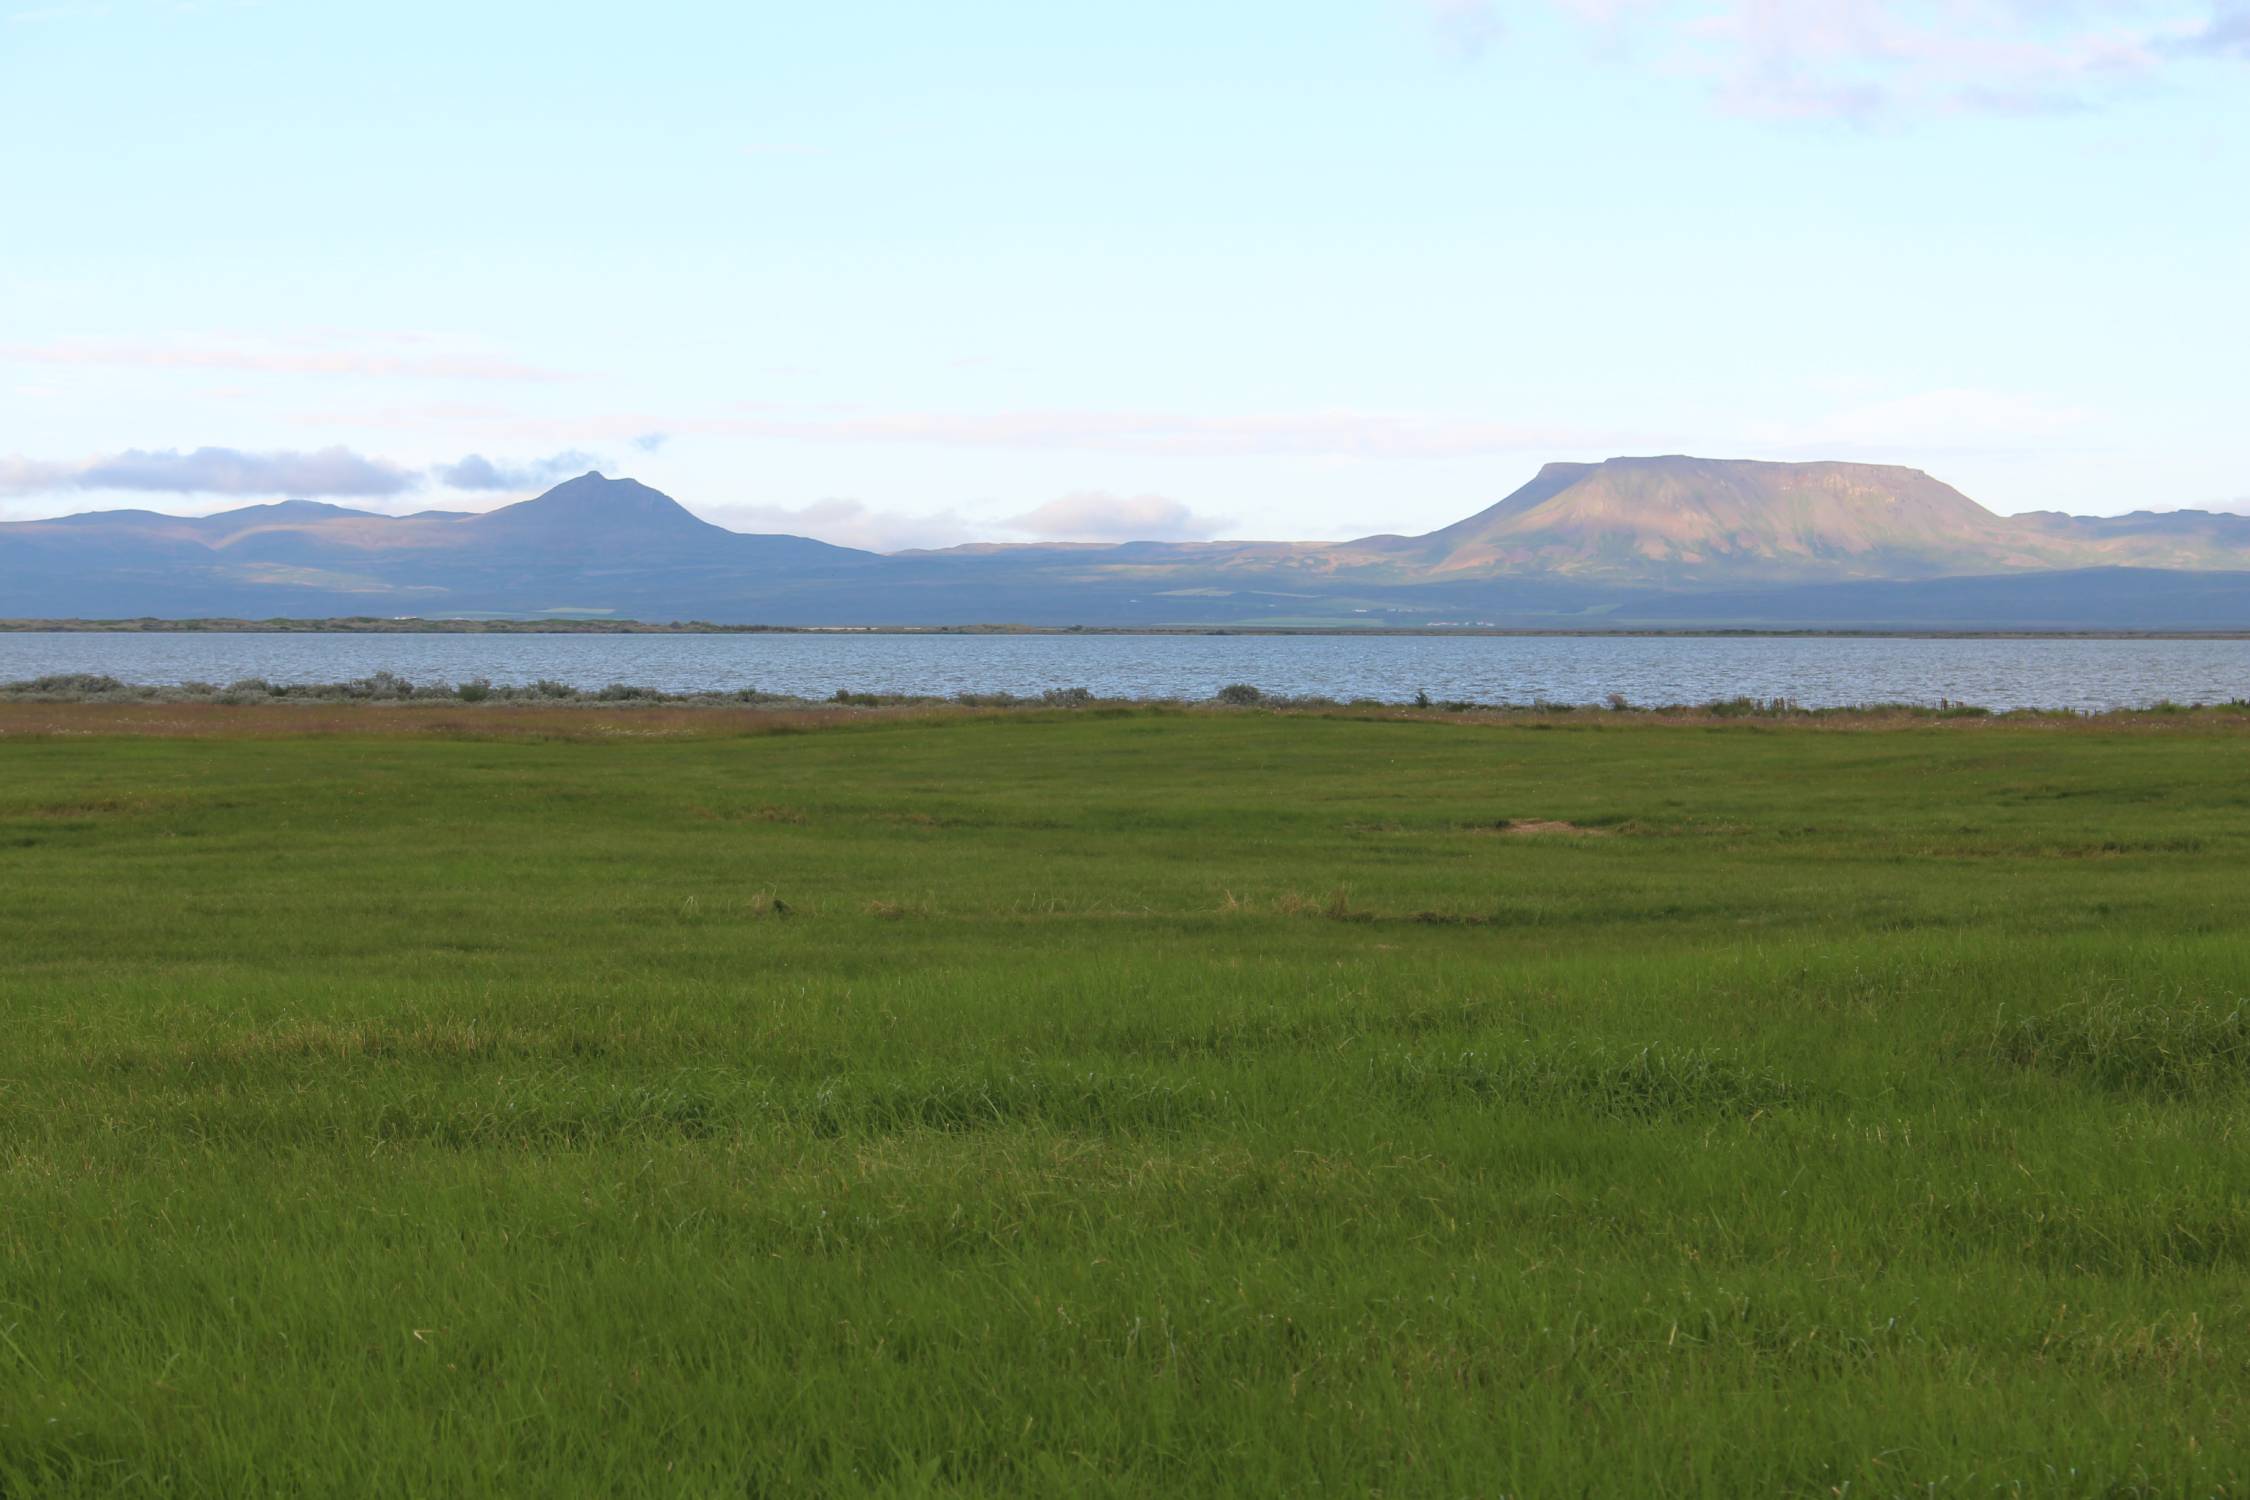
[1124, 1102]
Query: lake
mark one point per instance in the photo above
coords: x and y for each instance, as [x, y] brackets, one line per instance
[1814, 671]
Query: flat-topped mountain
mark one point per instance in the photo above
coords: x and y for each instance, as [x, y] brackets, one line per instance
[1673, 540]
[1675, 518]
[1680, 522]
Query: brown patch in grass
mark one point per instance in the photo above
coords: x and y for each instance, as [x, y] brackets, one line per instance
[1548, 828]
[260, 721]
[1336, 908]
[91, 807]
[753, 815]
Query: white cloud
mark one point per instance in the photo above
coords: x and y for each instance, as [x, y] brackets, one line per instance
[30, 476]
[1083, 516]
[1469, 27]
[1865, 62]
[846, 523]
[476, 472]
[329, 473]
[332, 472]
[1097, 516]
[2228, 35]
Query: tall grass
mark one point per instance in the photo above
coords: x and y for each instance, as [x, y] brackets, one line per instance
[1124, 1103]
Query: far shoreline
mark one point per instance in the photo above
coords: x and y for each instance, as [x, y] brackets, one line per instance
[373, 625]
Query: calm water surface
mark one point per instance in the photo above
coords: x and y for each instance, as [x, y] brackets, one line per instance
[2080, 674]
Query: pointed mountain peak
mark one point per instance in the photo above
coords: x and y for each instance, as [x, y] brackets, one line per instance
[591, 479]
[594, 493]
[596, 510]
[596, 488]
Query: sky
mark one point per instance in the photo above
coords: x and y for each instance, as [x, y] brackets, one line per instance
[893, 273]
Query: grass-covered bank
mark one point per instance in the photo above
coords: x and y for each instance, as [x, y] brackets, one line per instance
[411, 1099]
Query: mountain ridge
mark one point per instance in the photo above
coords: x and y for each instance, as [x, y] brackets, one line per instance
[1577, 541]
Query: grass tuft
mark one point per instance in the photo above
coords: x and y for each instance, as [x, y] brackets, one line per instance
[2179, 1048]
[1655, 1082]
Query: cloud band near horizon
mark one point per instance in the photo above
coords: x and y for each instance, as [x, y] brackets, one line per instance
[331, 473]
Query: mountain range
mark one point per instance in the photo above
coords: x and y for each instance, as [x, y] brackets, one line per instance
[1628, 543]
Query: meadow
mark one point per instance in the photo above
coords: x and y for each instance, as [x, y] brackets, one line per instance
[449, 1101]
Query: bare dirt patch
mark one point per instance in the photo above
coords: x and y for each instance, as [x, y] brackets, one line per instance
[1548, 828]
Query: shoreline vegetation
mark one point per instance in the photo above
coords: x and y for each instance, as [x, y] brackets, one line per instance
[414, 625]
[389, 689]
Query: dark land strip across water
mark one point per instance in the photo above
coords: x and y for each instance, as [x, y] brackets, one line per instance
[377, 625]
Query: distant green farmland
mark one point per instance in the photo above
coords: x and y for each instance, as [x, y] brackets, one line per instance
[1138, 1102]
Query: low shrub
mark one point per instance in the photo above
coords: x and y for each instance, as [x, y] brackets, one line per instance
[69, 685]
[385, 687]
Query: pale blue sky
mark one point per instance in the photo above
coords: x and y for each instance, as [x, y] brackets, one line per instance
[913, 273]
